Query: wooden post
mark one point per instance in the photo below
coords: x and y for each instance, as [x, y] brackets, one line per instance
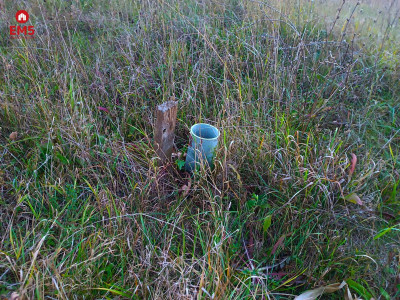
[164, 130]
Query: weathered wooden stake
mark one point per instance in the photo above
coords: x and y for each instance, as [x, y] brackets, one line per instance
[164, 130]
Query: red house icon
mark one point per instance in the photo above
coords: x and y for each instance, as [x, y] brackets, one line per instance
[22, 16]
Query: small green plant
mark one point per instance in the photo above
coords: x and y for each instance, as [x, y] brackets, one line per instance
[180, 163]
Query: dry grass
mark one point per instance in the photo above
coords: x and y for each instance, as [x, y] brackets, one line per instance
[87, 214]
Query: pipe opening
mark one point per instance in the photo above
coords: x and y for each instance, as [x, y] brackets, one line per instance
[205, 131]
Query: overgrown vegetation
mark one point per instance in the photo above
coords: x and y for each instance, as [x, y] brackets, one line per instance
[86, 213]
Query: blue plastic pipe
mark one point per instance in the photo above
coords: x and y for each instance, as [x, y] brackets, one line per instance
[204, 143]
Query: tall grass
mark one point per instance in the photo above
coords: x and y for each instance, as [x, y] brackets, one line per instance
[86, 212]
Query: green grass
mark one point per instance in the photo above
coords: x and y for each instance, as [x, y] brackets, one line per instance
[86, 213]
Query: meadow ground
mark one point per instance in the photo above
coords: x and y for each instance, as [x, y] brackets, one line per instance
[305, 191]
